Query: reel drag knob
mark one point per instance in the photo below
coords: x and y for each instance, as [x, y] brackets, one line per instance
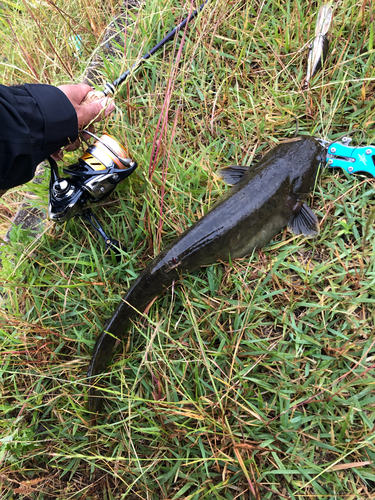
[61, 187]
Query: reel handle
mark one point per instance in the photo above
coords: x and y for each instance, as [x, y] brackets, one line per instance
[92, 96]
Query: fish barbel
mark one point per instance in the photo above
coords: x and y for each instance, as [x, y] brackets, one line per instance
[264, 199]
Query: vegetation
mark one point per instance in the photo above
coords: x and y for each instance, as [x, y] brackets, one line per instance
[248, 379]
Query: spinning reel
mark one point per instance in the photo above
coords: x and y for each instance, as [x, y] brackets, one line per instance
[96, 174]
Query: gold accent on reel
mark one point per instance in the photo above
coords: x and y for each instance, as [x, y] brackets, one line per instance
[99, 157]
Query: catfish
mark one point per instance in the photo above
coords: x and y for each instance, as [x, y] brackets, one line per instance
[264, 199]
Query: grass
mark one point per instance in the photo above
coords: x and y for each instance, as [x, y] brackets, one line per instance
[249, 379]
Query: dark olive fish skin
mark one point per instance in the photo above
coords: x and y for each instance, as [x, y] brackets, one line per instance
[248, 216]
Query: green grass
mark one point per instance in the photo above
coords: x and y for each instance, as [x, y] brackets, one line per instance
[250, 379]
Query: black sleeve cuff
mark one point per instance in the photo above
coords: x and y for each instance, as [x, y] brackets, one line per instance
[59, 117]
[35, 121]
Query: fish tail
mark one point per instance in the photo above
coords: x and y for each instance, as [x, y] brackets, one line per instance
[148, 286]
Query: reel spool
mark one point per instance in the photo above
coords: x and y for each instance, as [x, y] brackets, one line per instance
[96, 174]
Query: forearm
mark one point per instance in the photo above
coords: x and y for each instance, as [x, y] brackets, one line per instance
[35, 121]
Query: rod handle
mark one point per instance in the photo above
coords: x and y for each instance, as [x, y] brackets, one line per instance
[92, 96]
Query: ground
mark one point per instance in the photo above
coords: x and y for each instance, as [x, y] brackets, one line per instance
[248, 379]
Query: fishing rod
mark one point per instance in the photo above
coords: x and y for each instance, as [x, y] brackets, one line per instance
[103, 165]
[110, 88]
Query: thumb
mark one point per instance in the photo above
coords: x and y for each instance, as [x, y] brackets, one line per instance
[95, 111]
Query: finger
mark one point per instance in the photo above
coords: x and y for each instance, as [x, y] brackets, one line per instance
[78, 143]
[95, 111]
[91, 129]
[76, 93]
[58, 156]
[72, 147]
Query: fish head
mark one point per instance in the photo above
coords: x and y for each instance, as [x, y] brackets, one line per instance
[307, 161]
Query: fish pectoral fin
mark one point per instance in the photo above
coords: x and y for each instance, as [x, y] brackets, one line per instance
[231, 175]
[304, 222]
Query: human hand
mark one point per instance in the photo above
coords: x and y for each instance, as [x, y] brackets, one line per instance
[86, 113]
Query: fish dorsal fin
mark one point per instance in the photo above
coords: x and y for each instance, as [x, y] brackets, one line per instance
[231, 175]
[304, 222]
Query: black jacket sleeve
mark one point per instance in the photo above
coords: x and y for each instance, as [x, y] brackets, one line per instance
[35, 121]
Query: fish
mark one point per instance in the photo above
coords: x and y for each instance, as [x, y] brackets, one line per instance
[319, 48]
[264, 199]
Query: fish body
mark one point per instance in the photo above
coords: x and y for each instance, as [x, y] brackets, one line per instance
[266, 198]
